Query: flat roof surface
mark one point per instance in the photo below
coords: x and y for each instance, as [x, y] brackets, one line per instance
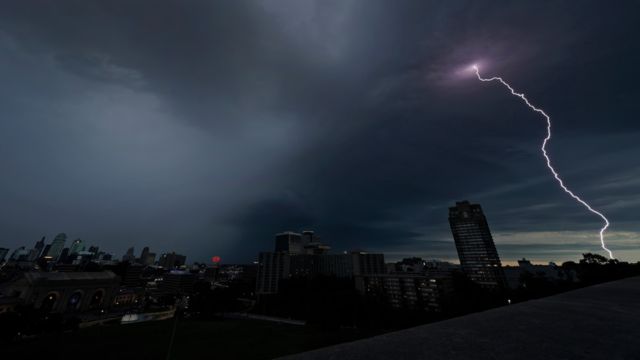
[597, 322]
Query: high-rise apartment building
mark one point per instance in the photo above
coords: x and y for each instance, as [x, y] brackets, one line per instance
[477, 252]
[407, 290]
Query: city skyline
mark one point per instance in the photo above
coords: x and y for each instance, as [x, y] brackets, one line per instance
[207, 129]
[451, 255]
[306, 240]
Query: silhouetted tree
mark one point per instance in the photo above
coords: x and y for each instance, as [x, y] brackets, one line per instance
[593, 259]
[595, 268]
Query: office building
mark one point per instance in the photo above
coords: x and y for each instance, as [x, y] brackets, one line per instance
[129, 256]
[172, 260]
[64, 256]
[407, 290]
[272, 267]
[82, 257]
[131, 275]
[76, 246]
[19, 254]
[56, 246]
[37, 249]
[302, 265]
[312, 245]
[289, 242]
[477, 252]
[178, 282]
[147, 257]
[338, 265]
[365, 263]
[105, 257]
[145, 251]
[311, 261]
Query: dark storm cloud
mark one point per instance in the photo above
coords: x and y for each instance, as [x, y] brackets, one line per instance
[206, 127]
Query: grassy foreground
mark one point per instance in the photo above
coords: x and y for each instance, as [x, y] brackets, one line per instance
[225, 339]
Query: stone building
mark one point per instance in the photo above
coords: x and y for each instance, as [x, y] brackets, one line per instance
[65, 292]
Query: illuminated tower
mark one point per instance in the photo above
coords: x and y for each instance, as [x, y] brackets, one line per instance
[477, 252]
[76, 246]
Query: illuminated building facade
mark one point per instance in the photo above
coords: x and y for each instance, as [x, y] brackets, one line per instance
[477, 252]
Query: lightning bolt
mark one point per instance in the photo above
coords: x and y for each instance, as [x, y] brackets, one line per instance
[546, 155]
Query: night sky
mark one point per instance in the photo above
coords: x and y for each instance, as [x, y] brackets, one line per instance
[205, 127]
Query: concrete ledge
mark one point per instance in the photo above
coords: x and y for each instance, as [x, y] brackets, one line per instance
[598, 322]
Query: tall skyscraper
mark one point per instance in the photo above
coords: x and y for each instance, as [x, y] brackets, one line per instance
[143, 254]
[477, 252]
[64, 256]
[45, 251]
[37, 249]
[147, 257]
[129, 256]
[76, 246]
[56, 246]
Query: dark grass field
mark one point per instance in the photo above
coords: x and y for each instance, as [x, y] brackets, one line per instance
[220, 339]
